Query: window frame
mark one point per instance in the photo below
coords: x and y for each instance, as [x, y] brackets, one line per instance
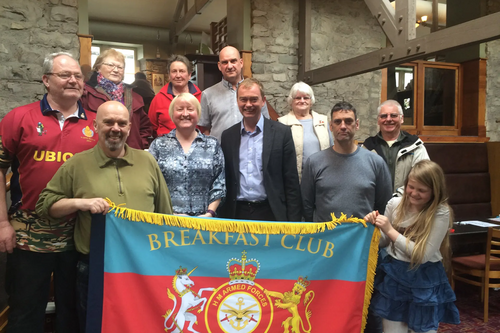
[418, 127]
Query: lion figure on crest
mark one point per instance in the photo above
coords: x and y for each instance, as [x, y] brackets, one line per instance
[190, 301]
[290, 301]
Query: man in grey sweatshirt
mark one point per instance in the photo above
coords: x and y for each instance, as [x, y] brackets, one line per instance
[345, 178]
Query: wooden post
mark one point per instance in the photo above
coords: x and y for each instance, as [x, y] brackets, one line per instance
[494, 161]
[247, 63]
[86, 54]
[304, 39]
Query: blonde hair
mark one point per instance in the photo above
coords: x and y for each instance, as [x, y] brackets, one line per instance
[186, 97]
[108, 53]
[430, 174]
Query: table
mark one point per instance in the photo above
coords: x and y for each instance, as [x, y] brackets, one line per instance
[468, 239]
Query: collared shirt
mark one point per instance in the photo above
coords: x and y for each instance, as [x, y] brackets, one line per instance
[195, 179]
[251, 175]
[35, 145]
[219, 108]
[62, 119]
[134, 180]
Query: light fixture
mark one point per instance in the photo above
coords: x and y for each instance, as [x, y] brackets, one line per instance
[424, 18]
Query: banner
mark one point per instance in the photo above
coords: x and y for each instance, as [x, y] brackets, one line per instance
[164, 273]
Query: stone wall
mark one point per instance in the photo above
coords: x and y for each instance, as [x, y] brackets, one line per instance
[30, 29]
[340, 30]
[493, 82]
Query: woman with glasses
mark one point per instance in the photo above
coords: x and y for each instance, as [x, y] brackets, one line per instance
[310, 129]
[179, 71]
[106, 84]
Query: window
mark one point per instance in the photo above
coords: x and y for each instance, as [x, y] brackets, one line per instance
[129, 65]
[428, 93]
[95, 51]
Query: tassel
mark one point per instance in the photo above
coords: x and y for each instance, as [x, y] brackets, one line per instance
[370, 274]
[228, 225]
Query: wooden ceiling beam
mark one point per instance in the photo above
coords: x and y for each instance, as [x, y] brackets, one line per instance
[406, 14]
[304, 36]
[398, 24]
[476, 31]
[196, 9]
[181, 23]
[173, 38]
[385, 15]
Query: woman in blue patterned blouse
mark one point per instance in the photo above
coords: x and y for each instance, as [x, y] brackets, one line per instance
[191, 162]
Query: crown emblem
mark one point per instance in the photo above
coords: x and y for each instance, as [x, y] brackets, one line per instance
[242, 271]
[181, 271]
[303, 282]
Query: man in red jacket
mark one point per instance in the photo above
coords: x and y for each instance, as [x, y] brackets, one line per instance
[36, 139]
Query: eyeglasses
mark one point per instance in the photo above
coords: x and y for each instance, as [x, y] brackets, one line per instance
[113, 66]
[67, 75]
[391, 115]
[305, 98]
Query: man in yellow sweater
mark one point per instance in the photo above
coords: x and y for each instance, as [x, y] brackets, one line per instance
[109, 170]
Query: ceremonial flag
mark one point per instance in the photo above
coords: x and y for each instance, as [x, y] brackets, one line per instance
[165, 273]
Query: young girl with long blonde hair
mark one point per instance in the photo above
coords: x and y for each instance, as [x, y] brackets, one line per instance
[412, 292]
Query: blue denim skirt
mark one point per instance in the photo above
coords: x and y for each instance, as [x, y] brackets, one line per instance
[420, 297]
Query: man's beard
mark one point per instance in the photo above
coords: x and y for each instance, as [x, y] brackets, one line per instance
[114, 146]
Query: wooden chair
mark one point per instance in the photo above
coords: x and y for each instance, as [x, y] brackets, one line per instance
[483, 266]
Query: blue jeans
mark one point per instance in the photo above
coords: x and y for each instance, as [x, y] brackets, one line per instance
[28, 285]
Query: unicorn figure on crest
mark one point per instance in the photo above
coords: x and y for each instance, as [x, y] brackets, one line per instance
[190, 301]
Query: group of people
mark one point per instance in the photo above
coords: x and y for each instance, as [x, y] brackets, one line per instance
[216, 153]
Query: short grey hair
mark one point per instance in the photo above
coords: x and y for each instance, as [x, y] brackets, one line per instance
[391, 102]
[48, 62]
[303, 88]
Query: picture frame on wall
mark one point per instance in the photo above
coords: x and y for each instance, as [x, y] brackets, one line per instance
[158, 82]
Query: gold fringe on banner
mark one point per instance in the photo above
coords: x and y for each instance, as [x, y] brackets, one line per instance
[226, 225]
[257, 227]
[370, 274]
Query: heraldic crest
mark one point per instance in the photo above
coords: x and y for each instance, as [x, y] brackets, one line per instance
[290, 301]
[240, 305]
[190, 301]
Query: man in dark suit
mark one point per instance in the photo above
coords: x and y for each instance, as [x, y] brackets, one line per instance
[261, 172]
